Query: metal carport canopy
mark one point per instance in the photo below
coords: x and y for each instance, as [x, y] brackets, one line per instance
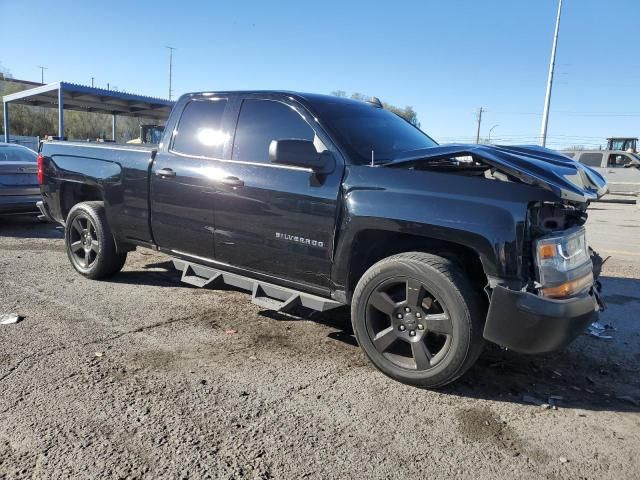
[70, 96]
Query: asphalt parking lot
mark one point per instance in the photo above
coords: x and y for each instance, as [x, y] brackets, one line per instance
[142, 376]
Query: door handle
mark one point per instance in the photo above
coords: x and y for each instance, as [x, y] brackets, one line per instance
[232, 182]
[165, 172]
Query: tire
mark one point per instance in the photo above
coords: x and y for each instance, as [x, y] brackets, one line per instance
[89, 242]
[439, 336]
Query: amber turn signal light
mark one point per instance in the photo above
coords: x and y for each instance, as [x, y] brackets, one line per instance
[568, 288]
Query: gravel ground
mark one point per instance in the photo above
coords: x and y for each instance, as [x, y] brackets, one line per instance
[142, 376]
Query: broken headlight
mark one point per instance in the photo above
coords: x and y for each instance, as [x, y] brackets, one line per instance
[563, 263]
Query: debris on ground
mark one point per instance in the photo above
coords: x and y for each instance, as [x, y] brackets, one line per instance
[10, 318]
[553, 401]
[99, 354]
[231, 331]
[563, 459]
[598, 330]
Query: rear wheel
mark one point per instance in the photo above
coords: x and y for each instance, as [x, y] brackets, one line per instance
[418, 319]
[89, 242]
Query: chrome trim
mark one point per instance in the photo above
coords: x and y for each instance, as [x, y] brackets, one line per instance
[194, 256]
[103, 145]
[240, 162]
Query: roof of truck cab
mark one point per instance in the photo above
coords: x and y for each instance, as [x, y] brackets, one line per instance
[309, 97]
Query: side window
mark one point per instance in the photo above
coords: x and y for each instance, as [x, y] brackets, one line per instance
[262, 121]
[618, 160]
[591, 159]
[199, 129]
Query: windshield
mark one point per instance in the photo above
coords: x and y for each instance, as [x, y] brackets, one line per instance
[362, 128]
[17, 154]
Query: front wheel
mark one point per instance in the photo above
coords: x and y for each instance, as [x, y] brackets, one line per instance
[418, 319]
[89, 242]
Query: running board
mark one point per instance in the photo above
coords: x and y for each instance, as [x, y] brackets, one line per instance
[265, 295]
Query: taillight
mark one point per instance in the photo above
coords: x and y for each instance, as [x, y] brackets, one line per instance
[40, 169]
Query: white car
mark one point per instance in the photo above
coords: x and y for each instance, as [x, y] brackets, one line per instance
[620, 168]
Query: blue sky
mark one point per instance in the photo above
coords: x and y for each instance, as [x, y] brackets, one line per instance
[445, 58]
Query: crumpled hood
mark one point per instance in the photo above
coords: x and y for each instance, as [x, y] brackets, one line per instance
[570, 180]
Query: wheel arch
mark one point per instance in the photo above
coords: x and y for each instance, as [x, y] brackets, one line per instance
[368, 246]
[72, 193]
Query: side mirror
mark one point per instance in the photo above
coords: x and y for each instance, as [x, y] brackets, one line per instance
[300, 153]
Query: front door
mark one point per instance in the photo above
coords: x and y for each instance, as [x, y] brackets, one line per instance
[182, 186]
[275, 219]
[622, 173]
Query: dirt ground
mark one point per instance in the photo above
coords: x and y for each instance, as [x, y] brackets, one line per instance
[142, 376]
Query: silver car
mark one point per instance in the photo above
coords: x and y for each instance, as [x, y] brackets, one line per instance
[19, 190]
[620, 168]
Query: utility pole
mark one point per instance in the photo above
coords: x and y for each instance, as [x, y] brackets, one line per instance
[479, 116]
[42, 69]
[171, 49]
[92, 78]
[552, 65]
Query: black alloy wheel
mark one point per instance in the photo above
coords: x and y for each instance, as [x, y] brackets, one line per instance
[418, 318]
[83, 241]
[408, 324]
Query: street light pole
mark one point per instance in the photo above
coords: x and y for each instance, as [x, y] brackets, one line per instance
[171, 49]
[479, 117]
[491, 130]
[552, 65]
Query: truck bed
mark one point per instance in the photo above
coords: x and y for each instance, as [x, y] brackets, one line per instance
[118, 173]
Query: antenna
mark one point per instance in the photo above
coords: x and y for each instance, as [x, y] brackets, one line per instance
[373, 158]
[375, 101]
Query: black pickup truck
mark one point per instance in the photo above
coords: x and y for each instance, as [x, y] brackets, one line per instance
[318, 201]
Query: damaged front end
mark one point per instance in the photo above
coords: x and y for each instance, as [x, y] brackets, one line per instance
[569, 180]
[558, 294]
[562, 295]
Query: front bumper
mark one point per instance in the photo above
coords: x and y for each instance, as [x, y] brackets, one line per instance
[528, 323]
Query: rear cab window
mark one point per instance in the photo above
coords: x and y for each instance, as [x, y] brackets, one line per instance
[591, 159]
[199, 132]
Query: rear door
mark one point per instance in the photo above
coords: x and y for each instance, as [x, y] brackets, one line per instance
[182, 185]
[274, 219]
